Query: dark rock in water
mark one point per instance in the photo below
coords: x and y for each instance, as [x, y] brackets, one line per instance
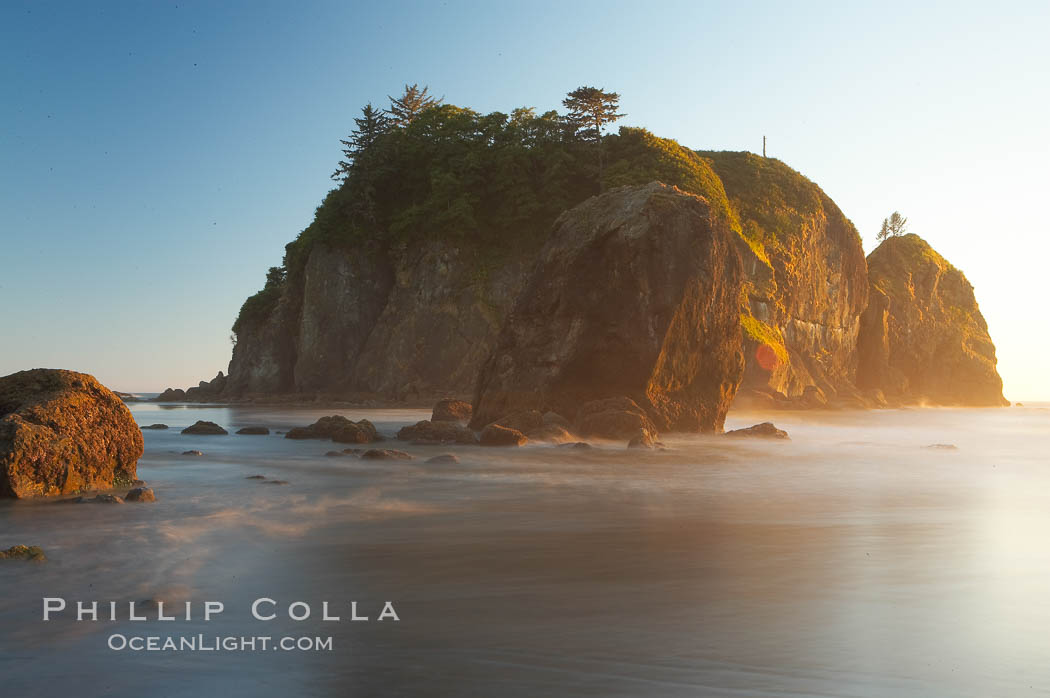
[336, 454]
[765, 430]
[1018, 404]
[942, 447]
[98, 499]
[338, 429]
[581, 445]
[523, 421]
[171, 395]
[643, 439]
[193, 452]
[352, 451]
[156, 426]
[204, 391]
[444, 459]
[636, 293]
[495, 435]
[550, 433]
[203, 428]
[138, 483]
[613, 418]
[255, 477]
[32, 553]
[438, 432]
[63, 432]
[922, 337]
[140, 494]
[449, 410]
[385, 454]
[276, 482]
[253, 431]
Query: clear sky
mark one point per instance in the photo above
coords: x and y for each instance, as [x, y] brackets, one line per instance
[157, 156]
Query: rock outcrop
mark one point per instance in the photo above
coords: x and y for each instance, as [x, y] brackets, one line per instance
[635, 294]
[62, 432]
[338, 429]
[805, 280]
[923, 338]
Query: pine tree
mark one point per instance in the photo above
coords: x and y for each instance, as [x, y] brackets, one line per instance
[893, 226]
[590, 109]
[411, 104]
[370, 126]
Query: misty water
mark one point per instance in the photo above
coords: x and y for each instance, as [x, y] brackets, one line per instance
[850, 561]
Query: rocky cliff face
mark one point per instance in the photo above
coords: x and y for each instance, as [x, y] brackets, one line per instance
[806, 281]
[922, 337]
[412, 321]
[634, 295]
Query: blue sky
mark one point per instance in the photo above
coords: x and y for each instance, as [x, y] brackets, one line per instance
[157, 156]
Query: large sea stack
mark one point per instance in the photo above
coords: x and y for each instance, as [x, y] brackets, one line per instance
[923, 338]
[61, 432]
[805, 280]
[635, 294]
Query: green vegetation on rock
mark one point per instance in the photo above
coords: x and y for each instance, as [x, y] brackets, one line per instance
[761, 333]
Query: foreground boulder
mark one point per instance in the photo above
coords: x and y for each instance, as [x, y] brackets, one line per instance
[338, 429]
[62, 432]
[202, 427]
[437, 433]
[923, 338]
[636, 293]
[765, 430]
[449, 410]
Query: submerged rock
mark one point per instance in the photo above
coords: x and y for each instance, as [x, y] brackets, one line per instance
[942, 447]
[437, 433]
[254, 431]
[98, 499]
[444, 459]
[765, 430]
[338, 429]
[495, 435]
[193, 452]
[643, 439]
[636, 293]
[203, 428]
[32, 553]
[449, 410]
[63, 432]
[156, 426]
[140, 494]
[923, 338]
[385, 454]
[579, 445]
[255, 477]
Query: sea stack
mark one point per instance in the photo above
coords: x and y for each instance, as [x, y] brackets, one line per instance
[923, 339]
[635, 294]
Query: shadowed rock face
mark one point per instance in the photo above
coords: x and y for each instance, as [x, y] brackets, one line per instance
[635, 294]
[922, 337]
[62, 431]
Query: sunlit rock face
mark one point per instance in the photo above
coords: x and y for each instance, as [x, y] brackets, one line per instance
[62, 431]
[923, 338]
[636, 294]
[805, 279]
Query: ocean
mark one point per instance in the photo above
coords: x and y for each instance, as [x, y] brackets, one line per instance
[882, 553]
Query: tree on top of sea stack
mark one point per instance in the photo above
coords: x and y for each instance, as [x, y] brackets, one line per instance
[893, 226]
[404, 109]
[372, 124]
[590, 109]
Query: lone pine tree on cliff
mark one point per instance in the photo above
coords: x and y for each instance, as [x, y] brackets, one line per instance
[892, 226]
[404, 109]
[370, 126]
[591, 108]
